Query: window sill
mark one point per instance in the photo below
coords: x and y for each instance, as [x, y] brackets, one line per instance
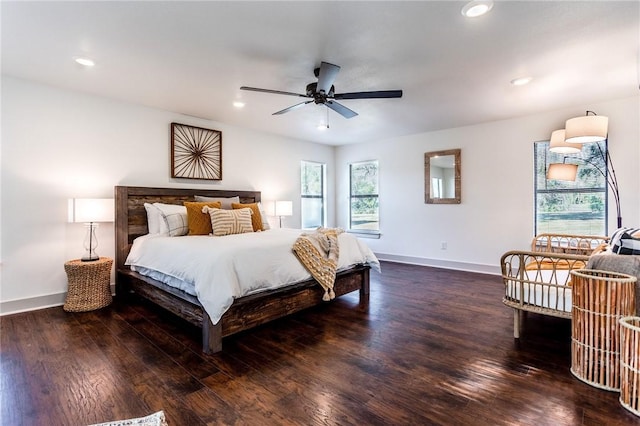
[365, 234]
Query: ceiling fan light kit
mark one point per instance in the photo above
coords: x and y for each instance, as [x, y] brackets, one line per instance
[322, 92]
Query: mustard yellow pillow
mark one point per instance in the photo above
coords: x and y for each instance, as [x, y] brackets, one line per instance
[256, 217]
[199, 223]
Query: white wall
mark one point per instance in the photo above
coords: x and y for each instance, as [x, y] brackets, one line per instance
[59, 144]
[496, 213]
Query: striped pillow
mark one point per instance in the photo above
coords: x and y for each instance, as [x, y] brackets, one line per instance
[228, 222]
[626, 241]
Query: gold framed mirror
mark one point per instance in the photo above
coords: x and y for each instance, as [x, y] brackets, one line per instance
[442, 180]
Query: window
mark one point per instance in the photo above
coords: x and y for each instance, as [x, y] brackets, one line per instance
[363, 192]
[436, 187]
[312, 194]
[571, 207]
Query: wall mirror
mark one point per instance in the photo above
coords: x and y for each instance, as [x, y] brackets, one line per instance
[442, 177]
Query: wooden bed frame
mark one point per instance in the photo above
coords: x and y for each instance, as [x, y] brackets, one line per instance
[246, 312]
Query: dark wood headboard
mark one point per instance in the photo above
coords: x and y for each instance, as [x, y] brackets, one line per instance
[131, 216]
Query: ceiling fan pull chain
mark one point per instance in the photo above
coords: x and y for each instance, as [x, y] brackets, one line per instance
[326, 108]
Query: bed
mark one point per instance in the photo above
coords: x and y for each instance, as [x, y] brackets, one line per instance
[245, 312]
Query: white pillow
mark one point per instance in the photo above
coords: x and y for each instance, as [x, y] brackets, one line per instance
[173, 219]
[153, 218]
[228, 222]
[225, 201]
[263, 213]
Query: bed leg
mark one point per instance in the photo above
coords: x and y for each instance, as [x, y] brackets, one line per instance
[211, 335]
[364, 289]
[123, 292]
[516, 323]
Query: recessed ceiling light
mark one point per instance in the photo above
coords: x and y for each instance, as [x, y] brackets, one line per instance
[238, 104]
[85, 62]
[476, 8]
[521, 81]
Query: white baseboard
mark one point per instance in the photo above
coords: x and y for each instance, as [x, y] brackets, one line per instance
[34, 303]
[441, 263]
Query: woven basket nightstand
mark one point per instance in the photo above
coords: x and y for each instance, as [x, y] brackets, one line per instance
[89, 285]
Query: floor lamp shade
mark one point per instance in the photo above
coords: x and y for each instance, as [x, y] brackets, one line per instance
[90, 211]
[562, 171]
[558, 144]
[589, 128]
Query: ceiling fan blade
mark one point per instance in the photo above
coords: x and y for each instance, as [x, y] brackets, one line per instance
[291, 108]
[326, 77]
[277, 92]
[369, 95]
[341, 109]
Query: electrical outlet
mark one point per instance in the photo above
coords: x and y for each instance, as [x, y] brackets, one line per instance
[443, 245]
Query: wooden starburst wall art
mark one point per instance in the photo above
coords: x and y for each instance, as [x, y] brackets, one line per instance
[196, 153]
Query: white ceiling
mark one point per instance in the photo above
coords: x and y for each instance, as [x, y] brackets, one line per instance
[192, 58]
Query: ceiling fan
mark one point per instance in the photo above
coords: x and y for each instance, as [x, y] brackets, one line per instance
[323, 92]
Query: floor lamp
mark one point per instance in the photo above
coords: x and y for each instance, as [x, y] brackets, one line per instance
[580, 130]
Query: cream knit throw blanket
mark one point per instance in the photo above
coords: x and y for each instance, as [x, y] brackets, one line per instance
[319, 252]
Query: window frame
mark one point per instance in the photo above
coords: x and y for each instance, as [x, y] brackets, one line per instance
[322, 196]
[373, 232]
[582, 160]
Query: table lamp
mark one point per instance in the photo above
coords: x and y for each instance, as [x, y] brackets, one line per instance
[90, 211]
[283, 208]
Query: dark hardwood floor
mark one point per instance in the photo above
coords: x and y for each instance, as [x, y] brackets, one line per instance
[434, 348]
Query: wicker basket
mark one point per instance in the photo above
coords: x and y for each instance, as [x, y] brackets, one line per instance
[89, 285]
[600, 299]
[630, 364]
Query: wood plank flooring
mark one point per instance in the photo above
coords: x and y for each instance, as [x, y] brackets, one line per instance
[434, 348]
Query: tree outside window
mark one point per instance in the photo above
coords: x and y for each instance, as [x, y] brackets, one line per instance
[571, 207]
[364, 209]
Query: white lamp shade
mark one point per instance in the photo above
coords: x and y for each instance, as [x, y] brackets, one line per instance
[558, 144]
[284, 208]
[562, 171]
[269, 207]
[589, 128]
[91, 210]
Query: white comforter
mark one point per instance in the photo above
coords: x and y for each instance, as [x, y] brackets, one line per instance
[223, 268]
